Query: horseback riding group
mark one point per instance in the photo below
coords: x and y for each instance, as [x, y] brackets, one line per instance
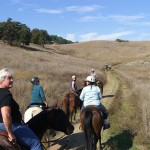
[28, 133]
[91, 95]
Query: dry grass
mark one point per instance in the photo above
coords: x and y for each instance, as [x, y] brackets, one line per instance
[137, 74]
[106, 51]
[55, 65]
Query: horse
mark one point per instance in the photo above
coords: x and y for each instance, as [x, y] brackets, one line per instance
[92, 122]
[71, 102]
[48, 119]
[108, 67]
[31, 112]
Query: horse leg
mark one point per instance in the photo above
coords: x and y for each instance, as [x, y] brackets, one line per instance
[75, 111]
[71, 115]
[100, 142]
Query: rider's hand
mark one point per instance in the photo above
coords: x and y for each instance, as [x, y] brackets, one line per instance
[12, 138]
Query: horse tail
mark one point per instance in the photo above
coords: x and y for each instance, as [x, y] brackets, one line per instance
[68, 104]
[89, 131]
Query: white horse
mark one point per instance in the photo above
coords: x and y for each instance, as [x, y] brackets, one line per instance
[31, 112]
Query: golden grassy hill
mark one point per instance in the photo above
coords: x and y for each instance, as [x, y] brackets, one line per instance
[55, 64]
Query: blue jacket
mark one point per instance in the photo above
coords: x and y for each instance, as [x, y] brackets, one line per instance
[37, 94]
[91, 95]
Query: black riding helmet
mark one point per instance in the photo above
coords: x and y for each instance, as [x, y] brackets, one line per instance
[34, 80]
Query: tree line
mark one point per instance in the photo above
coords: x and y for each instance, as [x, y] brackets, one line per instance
[16, 33]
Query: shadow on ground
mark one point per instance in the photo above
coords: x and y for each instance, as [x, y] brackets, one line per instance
[121, 141]
[75, 141]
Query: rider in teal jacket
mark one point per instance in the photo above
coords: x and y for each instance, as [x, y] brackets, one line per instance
[37, 93]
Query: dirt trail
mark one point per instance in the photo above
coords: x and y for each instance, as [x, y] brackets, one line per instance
[76, 141]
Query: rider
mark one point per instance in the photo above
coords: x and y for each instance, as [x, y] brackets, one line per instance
[73, 85]
[93, 73]
[91, 95]
[10, 116]
[37, 93]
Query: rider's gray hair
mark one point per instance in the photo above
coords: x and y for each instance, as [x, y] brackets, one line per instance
[6, 72]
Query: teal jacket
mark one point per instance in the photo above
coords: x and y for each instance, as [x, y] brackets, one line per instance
[37, 95]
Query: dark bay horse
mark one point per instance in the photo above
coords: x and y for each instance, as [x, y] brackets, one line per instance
[91, 124]
[49, 119]
[71, 102]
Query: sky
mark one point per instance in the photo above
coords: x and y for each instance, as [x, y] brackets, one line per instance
[82, 20]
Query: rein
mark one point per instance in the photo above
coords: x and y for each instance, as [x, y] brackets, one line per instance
[4, 136]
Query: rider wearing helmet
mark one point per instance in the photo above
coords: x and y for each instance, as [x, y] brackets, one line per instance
[37, 93]
[91, 95]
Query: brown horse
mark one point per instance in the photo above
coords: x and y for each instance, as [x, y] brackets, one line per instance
[71, 102]
[49, 119]
[91, 124]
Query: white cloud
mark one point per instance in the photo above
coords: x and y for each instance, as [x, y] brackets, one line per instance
[96, 36]
[88, 36]
[88, 19]
[70, 36]
[70, 8]
[83, 8]
[123, 18]
[49, 11]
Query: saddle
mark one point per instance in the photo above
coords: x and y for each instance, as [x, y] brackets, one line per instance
[74, 93]
[93, 106]
[6, 144]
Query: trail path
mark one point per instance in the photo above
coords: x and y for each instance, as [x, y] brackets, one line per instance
[76, 140]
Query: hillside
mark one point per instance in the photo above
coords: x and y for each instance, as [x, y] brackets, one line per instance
[106, 51]
[55, 64]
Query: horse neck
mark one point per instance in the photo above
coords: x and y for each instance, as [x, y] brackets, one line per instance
[39, 124]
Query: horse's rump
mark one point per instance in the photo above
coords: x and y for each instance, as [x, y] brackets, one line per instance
[91, 124]
[71, 102]
[30, 112]
[91, 112]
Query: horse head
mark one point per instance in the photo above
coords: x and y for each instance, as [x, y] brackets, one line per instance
[54, 119]
[59, 121]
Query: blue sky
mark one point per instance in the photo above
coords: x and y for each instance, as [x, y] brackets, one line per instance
[83, 20]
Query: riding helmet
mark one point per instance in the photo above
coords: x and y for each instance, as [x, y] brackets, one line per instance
[90, 79]
[34, 80]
